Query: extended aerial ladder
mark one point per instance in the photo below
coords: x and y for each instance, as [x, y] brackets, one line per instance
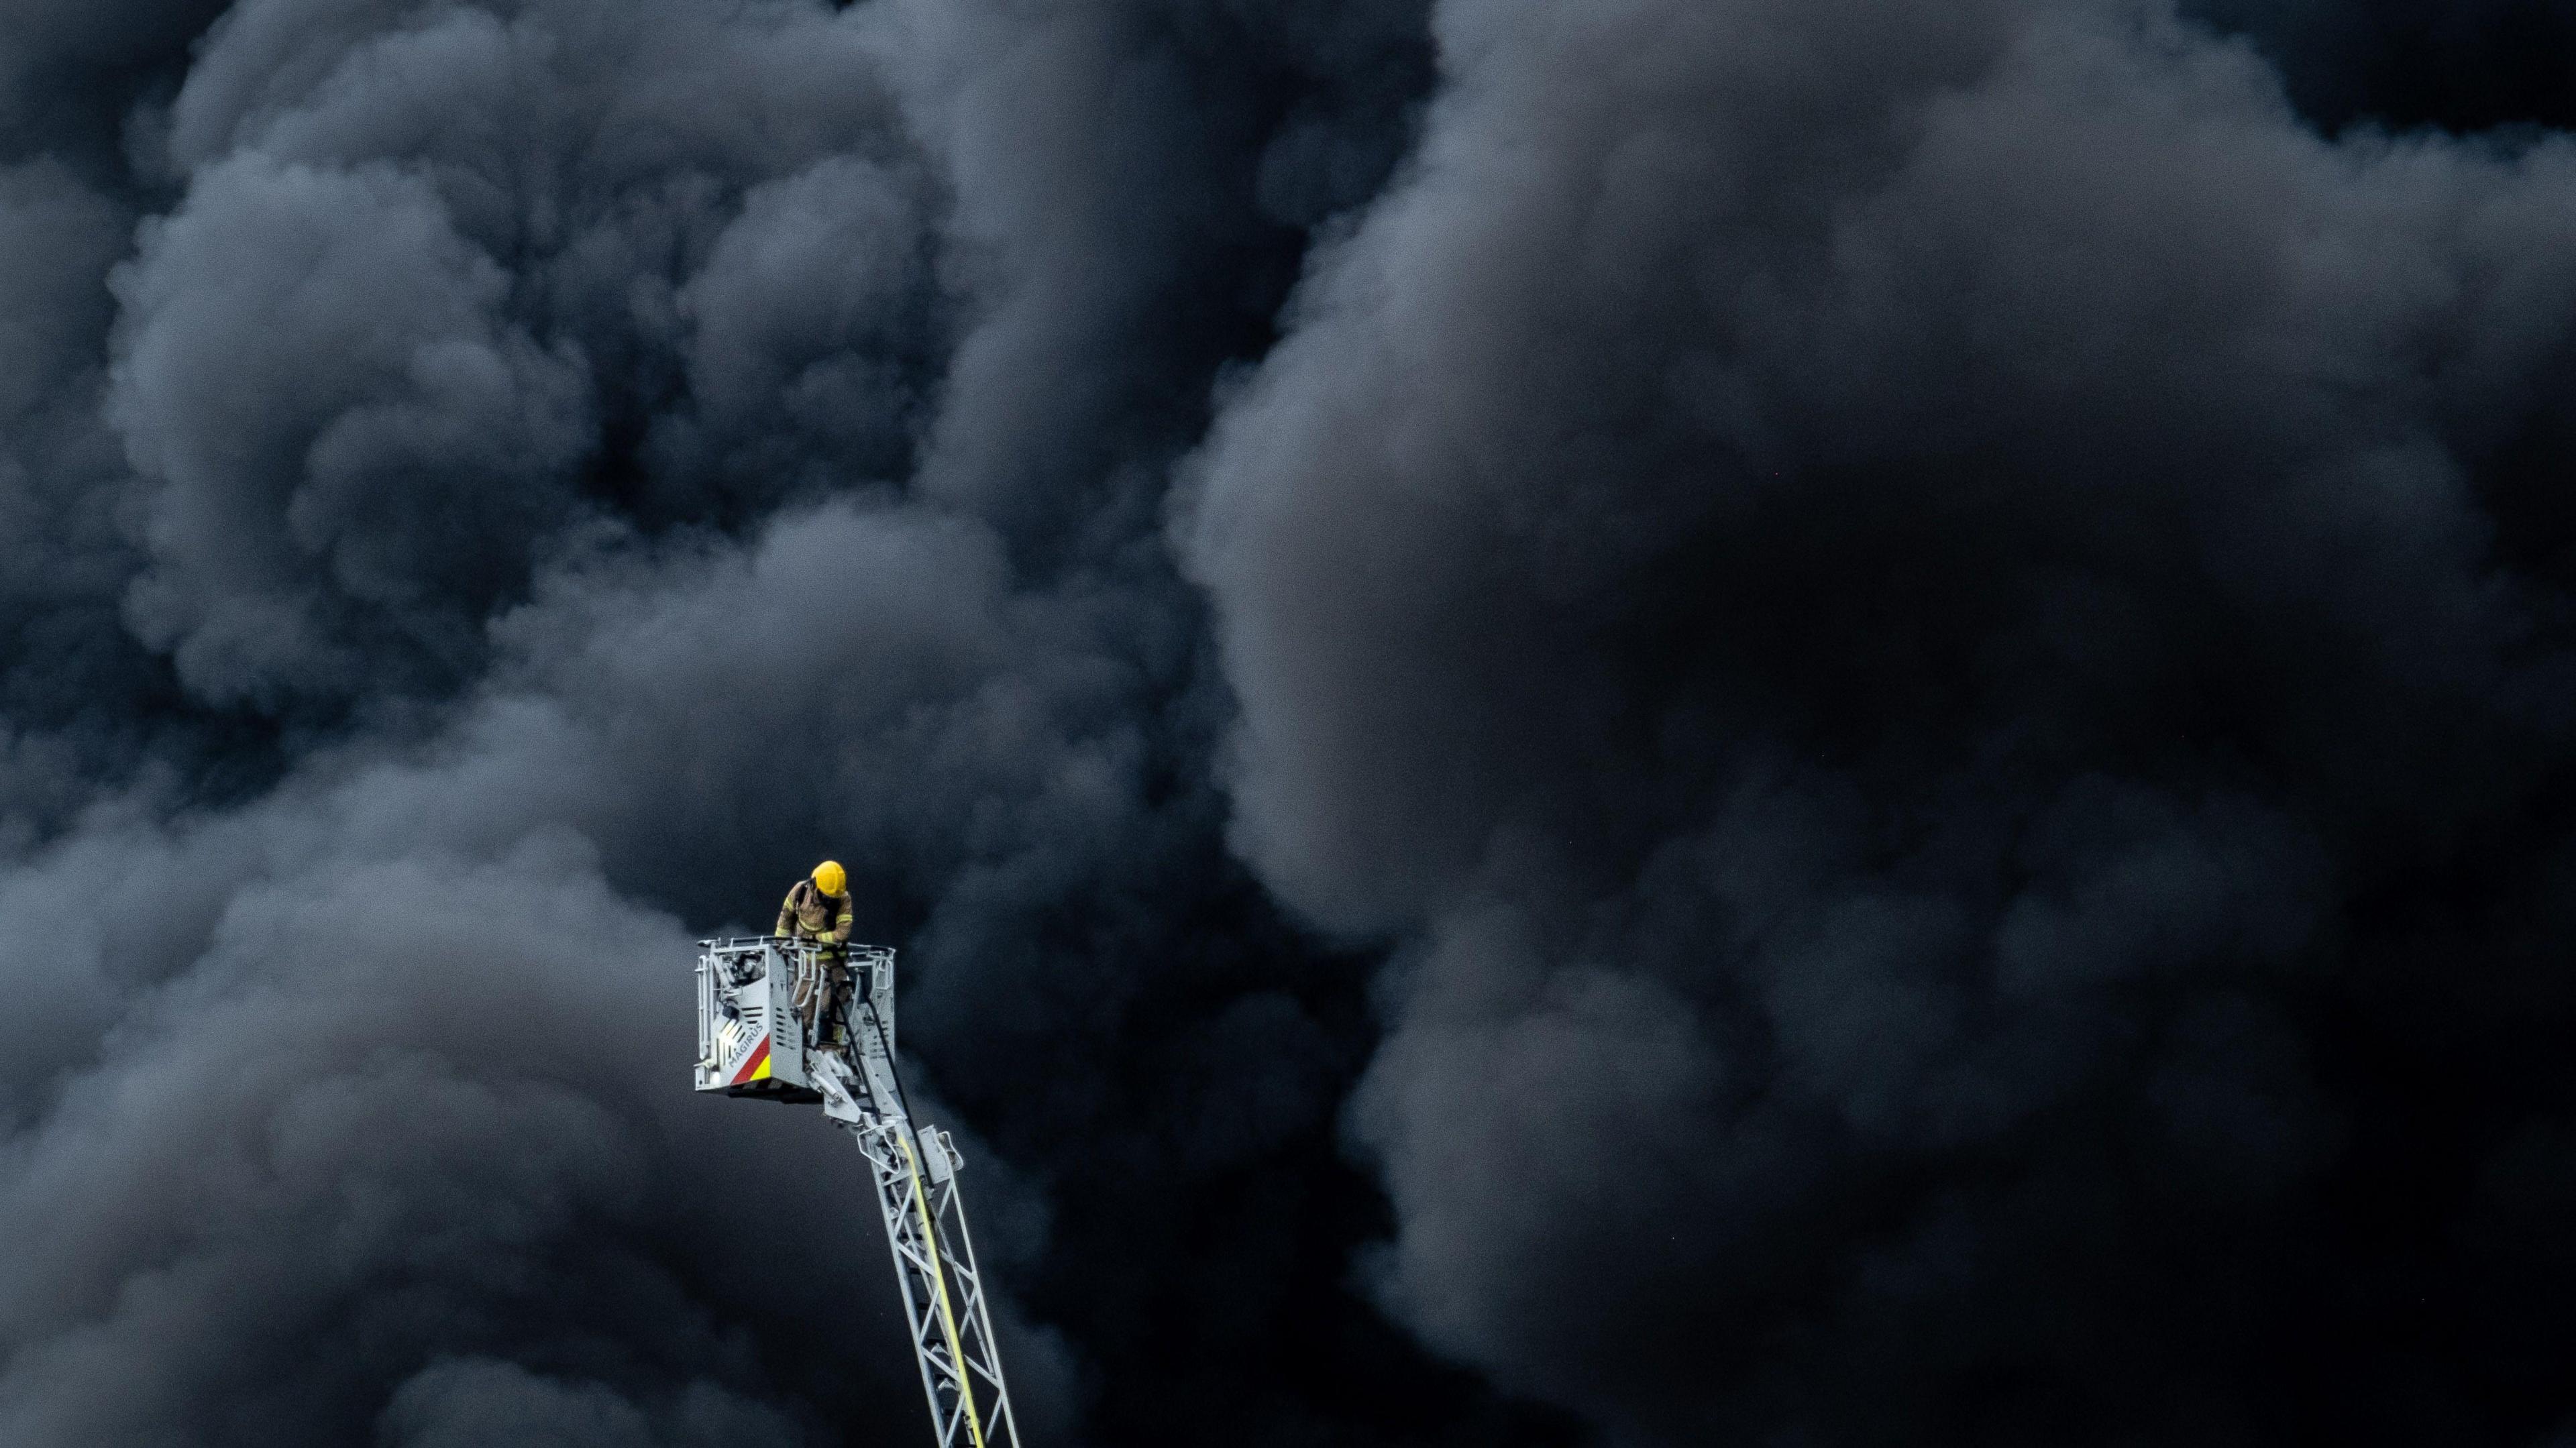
[769, 1027]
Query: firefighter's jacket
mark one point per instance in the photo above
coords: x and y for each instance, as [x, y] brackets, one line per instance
[824, 919]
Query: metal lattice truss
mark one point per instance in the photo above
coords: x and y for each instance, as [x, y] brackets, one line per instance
[943, 1294]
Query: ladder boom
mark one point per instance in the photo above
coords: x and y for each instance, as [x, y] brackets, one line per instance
[760, 1033]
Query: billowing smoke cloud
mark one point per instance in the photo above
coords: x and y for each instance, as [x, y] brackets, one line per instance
[1942, 630]
[1654, 722]
[505, 487]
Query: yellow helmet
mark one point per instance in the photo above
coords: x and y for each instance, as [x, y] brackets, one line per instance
[829, 877]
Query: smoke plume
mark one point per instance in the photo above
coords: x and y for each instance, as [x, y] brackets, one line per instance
[1667, 721]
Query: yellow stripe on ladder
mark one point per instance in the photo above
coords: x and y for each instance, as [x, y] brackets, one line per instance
[939, 1281]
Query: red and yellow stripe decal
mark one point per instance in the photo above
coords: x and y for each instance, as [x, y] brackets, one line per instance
[755, 1067]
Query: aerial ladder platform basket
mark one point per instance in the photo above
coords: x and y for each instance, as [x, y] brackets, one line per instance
[774, 1024]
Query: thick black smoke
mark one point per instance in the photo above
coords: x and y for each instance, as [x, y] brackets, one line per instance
[1945, 632]
[501, 489]
[1791, 721]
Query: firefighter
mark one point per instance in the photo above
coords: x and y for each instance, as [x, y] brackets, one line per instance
[817, 909]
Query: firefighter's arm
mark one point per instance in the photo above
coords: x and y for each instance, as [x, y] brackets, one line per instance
[786, 914]
[841, 926]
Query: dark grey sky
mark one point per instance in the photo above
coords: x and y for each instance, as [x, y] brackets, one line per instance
[1658, 722]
